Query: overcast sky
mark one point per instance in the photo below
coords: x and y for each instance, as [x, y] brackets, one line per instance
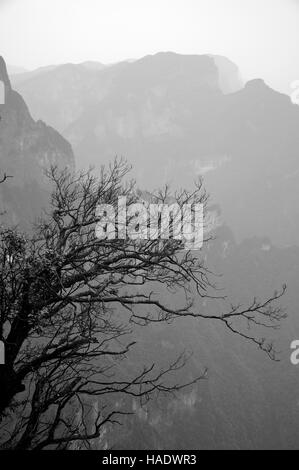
[260, 36]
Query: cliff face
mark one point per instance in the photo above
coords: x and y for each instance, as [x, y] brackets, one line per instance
[27, 149]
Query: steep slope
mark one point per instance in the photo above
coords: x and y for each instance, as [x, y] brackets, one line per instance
[59, 94]
[27, 148]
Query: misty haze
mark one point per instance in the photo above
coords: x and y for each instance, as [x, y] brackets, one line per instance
[113, 336]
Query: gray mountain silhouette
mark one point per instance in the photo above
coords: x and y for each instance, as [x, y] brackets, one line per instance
[27, 148]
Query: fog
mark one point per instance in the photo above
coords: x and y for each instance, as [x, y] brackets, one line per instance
[262, 37]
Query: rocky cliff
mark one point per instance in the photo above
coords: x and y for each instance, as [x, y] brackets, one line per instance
[27, 149]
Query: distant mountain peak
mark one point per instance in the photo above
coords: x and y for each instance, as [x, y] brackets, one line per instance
[258, 88]
[256, 83]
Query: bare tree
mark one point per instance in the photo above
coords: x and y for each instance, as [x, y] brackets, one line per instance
[68, 305]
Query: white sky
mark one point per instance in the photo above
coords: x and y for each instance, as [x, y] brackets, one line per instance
[260, 36]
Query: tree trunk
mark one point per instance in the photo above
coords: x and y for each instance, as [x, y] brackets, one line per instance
[10, 385]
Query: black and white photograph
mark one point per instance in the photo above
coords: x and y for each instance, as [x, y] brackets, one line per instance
[149, 229]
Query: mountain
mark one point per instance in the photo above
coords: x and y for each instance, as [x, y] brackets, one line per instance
[59, 94]
[175, 117]
[72, 89]
[257, 184]
[26, 75]
[19, 75]
[27, 148]
[172, 121]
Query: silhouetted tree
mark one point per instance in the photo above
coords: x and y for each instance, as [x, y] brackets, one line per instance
[68, 305]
